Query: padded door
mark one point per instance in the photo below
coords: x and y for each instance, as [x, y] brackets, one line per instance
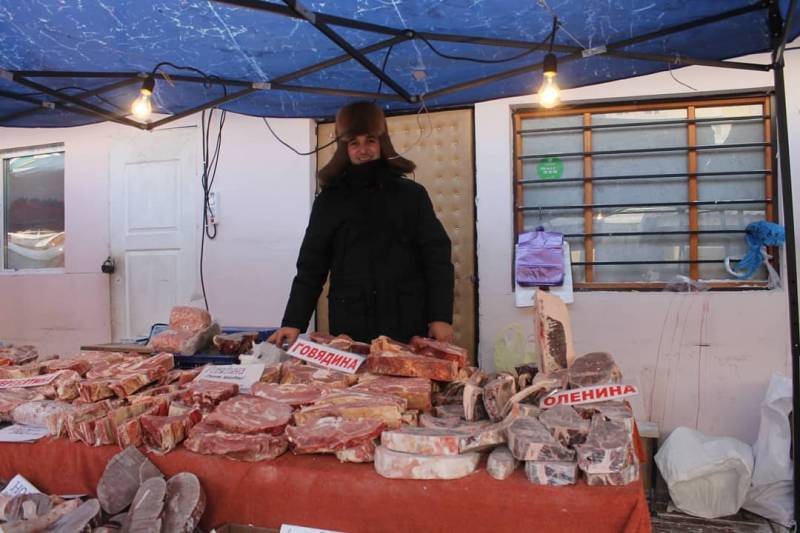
[444, 154]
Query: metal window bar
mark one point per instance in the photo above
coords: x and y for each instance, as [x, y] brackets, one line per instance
[653, 233]
[723, 120]
[651, 262]
[643, 205]
[702, 147]
[644, 177]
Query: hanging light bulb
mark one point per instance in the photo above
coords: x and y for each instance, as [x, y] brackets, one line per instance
[549, 93]
[141, 107]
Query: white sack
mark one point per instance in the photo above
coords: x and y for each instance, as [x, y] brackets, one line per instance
[771, 494]
[706, 476]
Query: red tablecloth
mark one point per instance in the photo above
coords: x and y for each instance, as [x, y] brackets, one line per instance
[318, 491]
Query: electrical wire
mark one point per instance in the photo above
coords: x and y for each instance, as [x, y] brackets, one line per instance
[210, 164]
[383, 67]
[422, 133]
[290, 147]
[479, 60]
[669, 68]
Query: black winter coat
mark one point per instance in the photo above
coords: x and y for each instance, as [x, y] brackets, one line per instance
[388, 256]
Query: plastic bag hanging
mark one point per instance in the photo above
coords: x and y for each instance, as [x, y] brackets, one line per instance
[758, 235]
[540, 260]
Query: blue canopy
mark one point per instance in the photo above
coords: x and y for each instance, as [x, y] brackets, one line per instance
[71, 63]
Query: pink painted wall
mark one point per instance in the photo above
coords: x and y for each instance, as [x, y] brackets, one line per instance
[59, 310]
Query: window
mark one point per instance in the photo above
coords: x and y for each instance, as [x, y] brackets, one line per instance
[32, 198]
[646, 192]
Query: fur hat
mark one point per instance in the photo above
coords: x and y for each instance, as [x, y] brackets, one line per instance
[361, 118]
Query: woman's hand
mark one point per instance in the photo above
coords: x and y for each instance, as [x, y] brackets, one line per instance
[286, 334]
[441, 331]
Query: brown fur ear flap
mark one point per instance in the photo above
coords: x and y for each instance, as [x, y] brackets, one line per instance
[336, 166]
[394, 160]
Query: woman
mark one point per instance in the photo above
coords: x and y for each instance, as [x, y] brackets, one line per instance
[377, 235]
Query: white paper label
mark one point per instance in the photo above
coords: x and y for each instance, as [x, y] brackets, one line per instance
[289, 528]
[598, 393]
[35, 381]
[325, 356]
[242, 375]
[20, 433]
[19, 485]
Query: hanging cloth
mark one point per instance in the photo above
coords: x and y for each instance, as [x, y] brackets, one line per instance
[540, 259]
[758, 235]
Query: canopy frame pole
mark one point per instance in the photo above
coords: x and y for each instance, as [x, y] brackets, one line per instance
[578, 54]
[779, 31]
[66, 107]
[192, 110]
[347, 47]
[91, 108]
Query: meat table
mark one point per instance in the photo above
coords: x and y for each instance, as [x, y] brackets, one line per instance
[318, 491]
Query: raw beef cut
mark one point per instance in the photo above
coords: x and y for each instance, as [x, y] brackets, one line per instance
[529, 440]
[410, 417]
[81, 422]
[123, 475]
[440, 350]
[80, 366]
[210, 440]
[473, 397]
[553, 333]
[38, 412]
[183, 341]
[294, 394]
[451, 422]
[399, 465]
[192, 319]
[596, 368]
[64, 387]
[487, 436]
[271, 374]
[105, 429]
[204, 394]
[341, 342]
[316, 376]
[148, 503]
[551, 473]
[542, 385]
[23, 371]
[497, 390]
[410, 365]
[320, 338]
[362, 453]
[424, 441]
[235, 343]
[130, 433]
[452, 393]
[524, 409]
[607, 449]
[353, 405]
[94, 390]
[184, 504]
[629, 474]
[501, 464]
[79, 520]
[616, 411]
[449, 411]
[251, 414]
[385, 344]
[329, 435]
[162, 434]
[565, 425]
[416, 391]
[19, 354]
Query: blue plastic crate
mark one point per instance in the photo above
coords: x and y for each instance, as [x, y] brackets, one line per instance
[203, 358]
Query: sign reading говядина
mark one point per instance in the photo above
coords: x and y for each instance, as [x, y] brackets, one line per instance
[325, 356]
[598, 393]
[550, 168]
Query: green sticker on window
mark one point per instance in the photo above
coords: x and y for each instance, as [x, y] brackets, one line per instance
[550, 168]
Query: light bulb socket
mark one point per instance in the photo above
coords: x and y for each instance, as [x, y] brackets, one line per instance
[550, 65]
[148, 85]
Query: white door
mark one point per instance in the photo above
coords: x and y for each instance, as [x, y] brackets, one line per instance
[156, 202]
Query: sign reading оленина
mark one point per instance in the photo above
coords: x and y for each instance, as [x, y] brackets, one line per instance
[598, 393]
[325, 356]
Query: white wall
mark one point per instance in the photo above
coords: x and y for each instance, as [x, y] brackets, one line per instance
[265, 198]
[702, 360]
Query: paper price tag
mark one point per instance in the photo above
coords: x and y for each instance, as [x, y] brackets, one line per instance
[19, 485]
[325, 356]
[289, 528]
[242, 375]
[20, 433]
[36, 381]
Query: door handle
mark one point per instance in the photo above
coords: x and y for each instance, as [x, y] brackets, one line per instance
[108, 266]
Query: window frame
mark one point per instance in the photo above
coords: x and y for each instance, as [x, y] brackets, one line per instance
[690, 105]
[25, 151]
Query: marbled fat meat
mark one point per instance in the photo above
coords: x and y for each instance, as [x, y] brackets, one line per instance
[329, 435]
[596, 368]
[551, 473]
[565, 425]
[251, 414]
[529, 440]
[399, 465]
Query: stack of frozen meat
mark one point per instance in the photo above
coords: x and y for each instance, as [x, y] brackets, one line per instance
[132, 495]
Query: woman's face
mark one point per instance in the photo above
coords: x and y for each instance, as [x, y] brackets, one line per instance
[363, 148]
